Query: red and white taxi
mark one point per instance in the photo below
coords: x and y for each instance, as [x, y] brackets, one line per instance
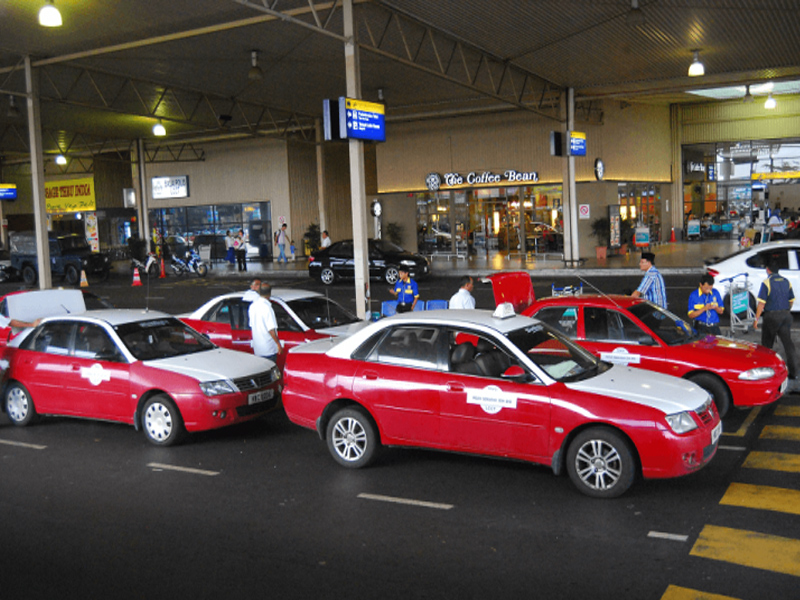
[631, 331]
[302, 316]
[143, 368]
[498, 385]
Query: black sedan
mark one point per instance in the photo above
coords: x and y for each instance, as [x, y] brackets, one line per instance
[385, 258]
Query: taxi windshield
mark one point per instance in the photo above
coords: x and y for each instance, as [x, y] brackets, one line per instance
[161, 338]
[670, 328]
[318, 312]
[556, 355]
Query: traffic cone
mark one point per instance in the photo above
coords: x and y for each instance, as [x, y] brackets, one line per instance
[163, 270]
[672, 237]
[84, 281]
[136, 279]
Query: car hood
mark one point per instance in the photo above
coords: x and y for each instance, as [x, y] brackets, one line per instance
[732, 354]
[212, 365]
[662, 392]
[343, 330]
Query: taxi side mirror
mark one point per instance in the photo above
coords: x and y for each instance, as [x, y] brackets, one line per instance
[516, 373]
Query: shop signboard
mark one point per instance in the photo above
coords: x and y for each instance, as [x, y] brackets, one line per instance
[435, 181]
[70, 195]
[176, 186]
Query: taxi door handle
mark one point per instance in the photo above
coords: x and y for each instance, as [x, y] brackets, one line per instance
[455, 387]
[372, 375]
[75, 367]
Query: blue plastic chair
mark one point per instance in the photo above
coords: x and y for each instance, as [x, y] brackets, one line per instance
[388, 308]
[419, 306]
[436, 304]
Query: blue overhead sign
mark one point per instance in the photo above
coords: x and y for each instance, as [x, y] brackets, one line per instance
[8, 191]
[577, 143]
[362, 120]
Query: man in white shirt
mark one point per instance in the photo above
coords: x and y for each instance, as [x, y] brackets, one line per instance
[776, 225]
[264, 326]
[326, 240]
[463, 298]
[253, 293]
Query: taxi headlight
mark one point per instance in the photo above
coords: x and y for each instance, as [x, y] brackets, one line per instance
[681, 422]
[216, 388]
[757, 374]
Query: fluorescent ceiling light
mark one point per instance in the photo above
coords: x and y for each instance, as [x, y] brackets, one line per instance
[734, 92]
[49, 15]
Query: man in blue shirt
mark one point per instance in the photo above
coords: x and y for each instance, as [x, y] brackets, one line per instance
[705, 306]
[406, 291]
[652, 286]
[775, 299]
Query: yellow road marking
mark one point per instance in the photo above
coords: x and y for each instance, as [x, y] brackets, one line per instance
[746, 423]
[774, 461]
[779, 432]
[675, 592]
[762, 497]
[749, 549]
[787, 411]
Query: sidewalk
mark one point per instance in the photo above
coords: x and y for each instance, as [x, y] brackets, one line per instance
[675, 258]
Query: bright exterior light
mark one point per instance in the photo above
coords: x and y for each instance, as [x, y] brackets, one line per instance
[49, 15]
[696, 69]
[61, 160]
[158, 130]
[770, 103]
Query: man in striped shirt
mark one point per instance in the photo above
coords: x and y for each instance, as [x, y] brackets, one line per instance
[652, 286]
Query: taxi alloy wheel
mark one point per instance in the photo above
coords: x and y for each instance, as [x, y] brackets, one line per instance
[161, 421]
[19, 406]
[600, 463]
[351, 438]
[391, 275]
[327, 276]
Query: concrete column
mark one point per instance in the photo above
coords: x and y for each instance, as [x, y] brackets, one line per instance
[144, 201]
[569, 194]
[37, 175]
[323, 219]
[358, 192]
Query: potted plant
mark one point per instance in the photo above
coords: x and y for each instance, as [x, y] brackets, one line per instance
[601, 229]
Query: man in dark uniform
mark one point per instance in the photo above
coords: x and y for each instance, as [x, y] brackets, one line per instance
[775, 299]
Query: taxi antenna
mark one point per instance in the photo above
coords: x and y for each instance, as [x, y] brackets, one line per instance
[599, 291]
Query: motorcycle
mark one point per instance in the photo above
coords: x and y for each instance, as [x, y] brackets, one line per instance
[149, 267]
[192, 264]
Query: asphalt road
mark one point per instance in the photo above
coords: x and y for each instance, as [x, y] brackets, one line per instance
[91, 509]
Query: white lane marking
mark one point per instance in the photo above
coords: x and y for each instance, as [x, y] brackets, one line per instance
[734, 448]
[394, 500]
[23, 445]
[667, 536]
[183, 469]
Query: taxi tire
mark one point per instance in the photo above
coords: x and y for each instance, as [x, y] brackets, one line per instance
[604, 448]
[391, 275]
[19, 406]
[717, 389]
[327, 276]
[352, 438]
[161, 421]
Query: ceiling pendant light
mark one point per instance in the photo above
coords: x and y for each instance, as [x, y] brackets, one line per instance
[159, 130]
[61, 160]
[13, 109]
[255, 73]
[49, 15]
[748, 97]
[635, 16]
[696, 69]
[770, 103]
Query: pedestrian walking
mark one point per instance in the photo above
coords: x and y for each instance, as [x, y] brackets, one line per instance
[406, 291]
[264, 326]
[705, 307]
[281, 237]
[775, 299]
[652, 287]
[463, 297]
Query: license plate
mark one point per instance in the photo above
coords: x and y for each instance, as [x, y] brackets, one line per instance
[261, 396]
[784, 385]
[716, 432]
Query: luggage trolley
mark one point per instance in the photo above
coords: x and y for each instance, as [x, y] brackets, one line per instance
[567, 290]
[742, 314]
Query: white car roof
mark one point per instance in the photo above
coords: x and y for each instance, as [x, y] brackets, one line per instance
[473, 319]
[115, 316]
